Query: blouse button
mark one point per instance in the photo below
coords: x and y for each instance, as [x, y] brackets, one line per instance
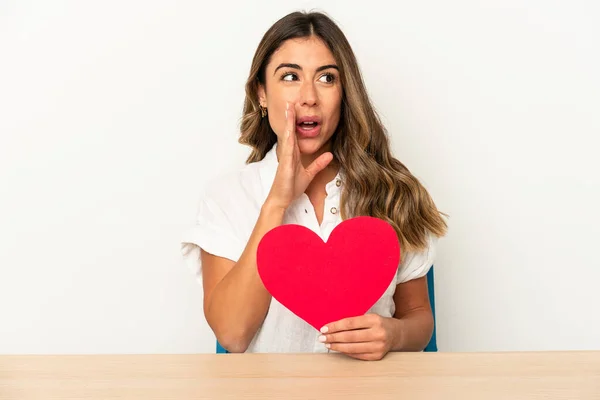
[333, 210]
[338, 182]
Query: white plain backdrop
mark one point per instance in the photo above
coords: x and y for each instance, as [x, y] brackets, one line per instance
[113, 115]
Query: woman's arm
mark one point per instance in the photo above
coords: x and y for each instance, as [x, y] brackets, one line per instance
[413, 325]
[235, 299]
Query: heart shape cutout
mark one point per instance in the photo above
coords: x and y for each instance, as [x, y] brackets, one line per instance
[323, 282]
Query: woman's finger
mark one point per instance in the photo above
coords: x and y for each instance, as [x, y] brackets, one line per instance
[347, 324]
[319, 164]
[290, 130]
[353, 348]
[353, 336]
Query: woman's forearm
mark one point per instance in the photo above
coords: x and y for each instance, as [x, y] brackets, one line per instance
[413, 331]
[239, 303]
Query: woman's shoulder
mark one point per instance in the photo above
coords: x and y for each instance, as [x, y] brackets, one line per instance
[416, 264]
[224, 215]
[239, 188]
[250, 182]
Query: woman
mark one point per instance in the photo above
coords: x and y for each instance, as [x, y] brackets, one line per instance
[319, 155]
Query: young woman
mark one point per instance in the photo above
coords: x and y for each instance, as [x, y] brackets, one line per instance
[319, 155]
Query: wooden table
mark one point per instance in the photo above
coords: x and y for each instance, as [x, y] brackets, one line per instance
[548, 375]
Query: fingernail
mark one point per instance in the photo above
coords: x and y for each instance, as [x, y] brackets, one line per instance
[324, 329]
[322, 339]
[328, 345]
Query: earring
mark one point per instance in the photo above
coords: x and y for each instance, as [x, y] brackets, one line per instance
[263, 111]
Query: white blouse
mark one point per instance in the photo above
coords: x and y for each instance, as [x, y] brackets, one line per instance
[228, 211]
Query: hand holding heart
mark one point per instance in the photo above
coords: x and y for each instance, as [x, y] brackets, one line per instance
[367, 337]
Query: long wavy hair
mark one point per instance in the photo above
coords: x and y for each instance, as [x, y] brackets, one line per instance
[375, 183]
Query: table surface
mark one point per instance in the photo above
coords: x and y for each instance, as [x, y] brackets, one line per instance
[526, 375]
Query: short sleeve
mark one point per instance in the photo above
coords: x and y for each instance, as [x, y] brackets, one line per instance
[214, 231]
[415, 265]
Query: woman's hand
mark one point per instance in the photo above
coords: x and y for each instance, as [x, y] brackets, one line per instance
[367, 337]
[292, 178]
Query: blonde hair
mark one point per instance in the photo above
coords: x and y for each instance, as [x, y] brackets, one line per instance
[375, 183]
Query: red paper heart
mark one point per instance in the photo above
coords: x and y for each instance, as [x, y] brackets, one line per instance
[323, 282]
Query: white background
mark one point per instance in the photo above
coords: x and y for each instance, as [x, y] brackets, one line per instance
[113, 115]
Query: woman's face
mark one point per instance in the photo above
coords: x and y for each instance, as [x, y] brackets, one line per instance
[304, 73]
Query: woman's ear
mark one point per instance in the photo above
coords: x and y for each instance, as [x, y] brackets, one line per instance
[262, 96]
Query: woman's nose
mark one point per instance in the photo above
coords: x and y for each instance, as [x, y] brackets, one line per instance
[308, 94]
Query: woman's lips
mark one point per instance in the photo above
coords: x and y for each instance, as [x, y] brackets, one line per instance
[308, 130]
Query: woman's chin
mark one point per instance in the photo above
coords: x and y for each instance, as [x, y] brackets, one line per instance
[310, 146]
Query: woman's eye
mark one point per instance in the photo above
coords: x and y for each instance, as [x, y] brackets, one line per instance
[327, 78]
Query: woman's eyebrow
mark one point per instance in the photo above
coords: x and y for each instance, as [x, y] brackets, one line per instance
[296, 66]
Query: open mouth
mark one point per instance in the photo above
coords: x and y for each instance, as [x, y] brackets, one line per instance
[308, 125]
